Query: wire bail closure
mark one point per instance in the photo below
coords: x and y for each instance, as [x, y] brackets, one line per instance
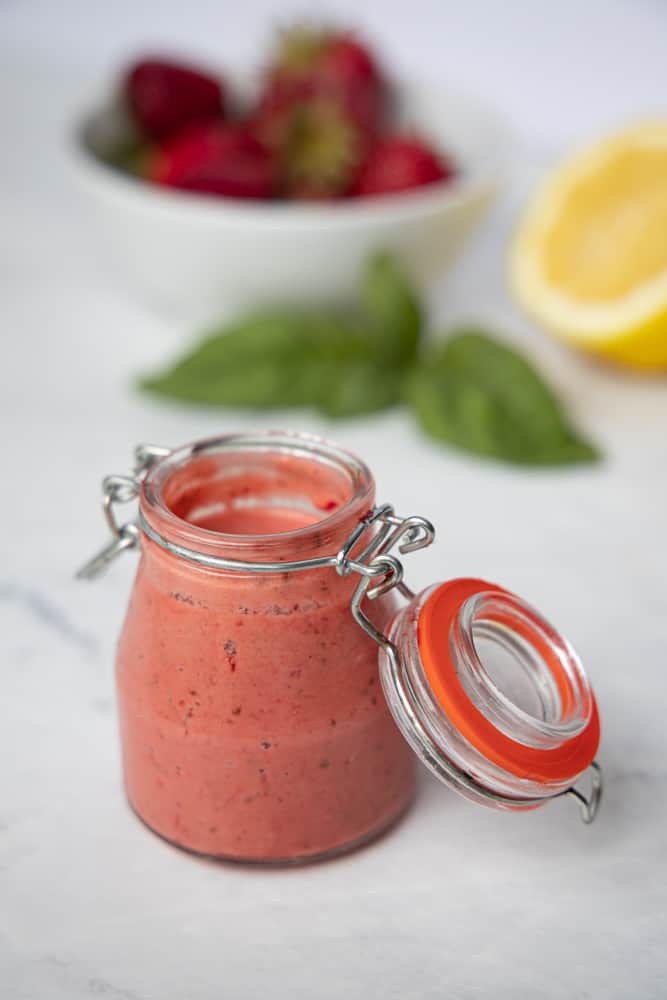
[373, 563]
[121, 490]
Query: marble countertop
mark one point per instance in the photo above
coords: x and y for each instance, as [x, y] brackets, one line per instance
[459, 902]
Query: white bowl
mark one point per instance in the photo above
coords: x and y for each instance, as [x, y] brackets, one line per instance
[196, 255]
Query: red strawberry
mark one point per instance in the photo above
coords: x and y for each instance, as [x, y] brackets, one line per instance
[401, 162]
[216, 159]
[165, 98]
[347, 68]
[329, 65]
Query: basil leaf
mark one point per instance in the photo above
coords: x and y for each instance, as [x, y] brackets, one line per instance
[392, 310]
[361, 388]
[282, 359]
[481, 396]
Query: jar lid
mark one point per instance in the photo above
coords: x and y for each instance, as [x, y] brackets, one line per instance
[490, 696]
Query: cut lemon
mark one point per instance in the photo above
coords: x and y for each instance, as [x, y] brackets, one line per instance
[589, 260]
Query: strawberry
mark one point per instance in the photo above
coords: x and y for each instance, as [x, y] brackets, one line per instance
[165, 98]
[399, 163]
[348, 69]
[333, 66]
[318, 148]
[216, 159]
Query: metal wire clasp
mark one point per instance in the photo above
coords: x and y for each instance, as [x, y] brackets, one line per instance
[121, 490]
[407, 534]
[588, 807]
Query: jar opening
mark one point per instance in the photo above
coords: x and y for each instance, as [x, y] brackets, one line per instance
[267, 492]
[515, 671]
[519, 672]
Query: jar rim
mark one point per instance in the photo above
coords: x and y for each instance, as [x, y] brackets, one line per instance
[328, 530]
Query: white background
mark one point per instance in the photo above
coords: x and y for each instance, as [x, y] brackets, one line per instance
[459, 902]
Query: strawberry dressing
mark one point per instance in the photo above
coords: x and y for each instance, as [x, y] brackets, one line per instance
[253, 724]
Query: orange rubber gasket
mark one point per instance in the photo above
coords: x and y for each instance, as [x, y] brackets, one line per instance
[433, 628]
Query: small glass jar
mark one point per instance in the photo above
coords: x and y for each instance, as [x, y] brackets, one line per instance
[255, 724]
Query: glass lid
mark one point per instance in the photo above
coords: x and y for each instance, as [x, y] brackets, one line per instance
[491, 697]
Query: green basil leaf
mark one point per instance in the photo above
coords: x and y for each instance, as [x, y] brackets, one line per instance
[281, 359]
[481, 396]
[361, 388]
[392, 310]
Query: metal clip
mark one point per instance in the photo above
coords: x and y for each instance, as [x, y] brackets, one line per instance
[407, 534]
[121, 490]
[127, 538]
[588, 807]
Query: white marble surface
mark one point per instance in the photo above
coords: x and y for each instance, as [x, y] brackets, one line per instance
[459, 902]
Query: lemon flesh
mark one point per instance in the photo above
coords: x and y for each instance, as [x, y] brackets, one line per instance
[589, 260]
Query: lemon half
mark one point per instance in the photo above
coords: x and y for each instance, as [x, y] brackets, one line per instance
[589, 259]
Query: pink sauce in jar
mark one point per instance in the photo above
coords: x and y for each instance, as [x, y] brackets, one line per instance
[252, 720]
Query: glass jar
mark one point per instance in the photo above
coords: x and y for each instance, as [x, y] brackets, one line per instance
[255, 724]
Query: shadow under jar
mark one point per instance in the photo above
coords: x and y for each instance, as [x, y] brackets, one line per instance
[252, 719]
